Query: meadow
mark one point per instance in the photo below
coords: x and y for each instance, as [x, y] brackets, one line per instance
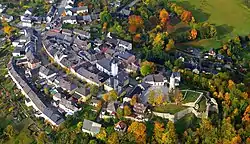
[231, 18]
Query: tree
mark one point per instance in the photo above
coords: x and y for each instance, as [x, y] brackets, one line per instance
[42, 138]
[9, 131]
[159, 100]
[178, 96]
[46, 91]
[119, 112]
[113, 138]
[170, 136]
[8, 30]
[94, 89]
[135, 22]
[127, 110]
[164, 16]
[137, 38]
[170, 45]
[139, 131]
[133, 100]
[193, 34]
[158, 131]
[102, 134]
[147, 68]
[151, 97]
[105, 16]
[110, 96]
[207, 133]
[186, 16]
[158, 40]
[93, 141]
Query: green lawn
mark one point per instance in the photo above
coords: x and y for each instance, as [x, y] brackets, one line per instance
[230, 16]
[190, 96]
[204, 45]
[188, 121]
[202, 105]
[169, 108]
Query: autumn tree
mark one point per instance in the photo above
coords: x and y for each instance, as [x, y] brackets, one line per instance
[170, 45]
[178, 96]
[127, 110]
[9, 131]
[133, 100]
[147, 68]
[186, 16]
[158, 131]
[110, 96]
[137, 37]
[164, 16]
[42, 138]
[113, 138]
[139, 131]
[170, 136]
[246, 115]
[207, 133]
[151, 97]
[8, 30]
[119, 112]
[193, 34]
[102, 134]
[135, 22]
[159, 40]
[159, 99]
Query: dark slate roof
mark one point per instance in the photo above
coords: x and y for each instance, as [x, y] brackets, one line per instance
[124, 55]
[83, 90]
[89, 75]
[46, 71]
[154, 77]
[105, 63]
[67, 85]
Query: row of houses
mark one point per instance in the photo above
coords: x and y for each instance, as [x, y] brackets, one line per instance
[32, 99]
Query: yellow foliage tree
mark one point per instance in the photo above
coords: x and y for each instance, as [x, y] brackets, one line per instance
[139, 131]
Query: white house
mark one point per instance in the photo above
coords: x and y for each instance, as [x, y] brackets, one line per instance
[91, 127]
[29, 11]
[124, 44]
[155, 79]
[69, 19]
[83, 9]
[108, 66]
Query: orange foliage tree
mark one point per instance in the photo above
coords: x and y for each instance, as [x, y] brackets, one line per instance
[137, 38]
[186, 16]
[193, 34]
[164, 16]
[135, 22]
[139, 131]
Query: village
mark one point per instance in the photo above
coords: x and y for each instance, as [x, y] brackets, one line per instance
[120, 71]
[81, 69]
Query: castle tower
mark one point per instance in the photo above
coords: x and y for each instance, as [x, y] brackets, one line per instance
[172, 83]
[114, 67]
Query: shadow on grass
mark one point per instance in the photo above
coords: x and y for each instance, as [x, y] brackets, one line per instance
[199, 14]
[223, 30]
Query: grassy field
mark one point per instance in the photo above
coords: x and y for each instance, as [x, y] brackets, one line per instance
[202, 105]
[230, 16]
[169, 108]
[190, 96]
